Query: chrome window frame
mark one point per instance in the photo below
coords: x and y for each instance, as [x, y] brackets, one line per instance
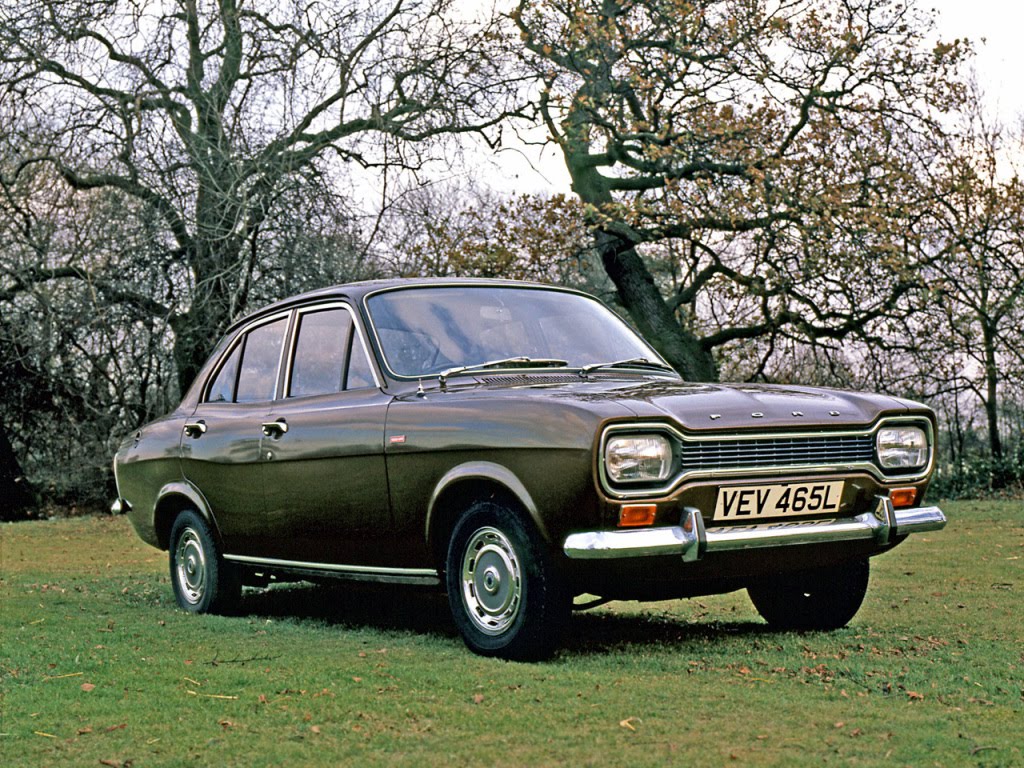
[680, 477]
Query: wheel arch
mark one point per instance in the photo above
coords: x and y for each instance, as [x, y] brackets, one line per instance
[171, 501]
[465, 484]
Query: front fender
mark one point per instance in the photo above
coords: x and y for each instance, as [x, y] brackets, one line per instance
[490, 472]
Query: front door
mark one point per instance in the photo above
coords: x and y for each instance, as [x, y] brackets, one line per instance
[324, 476]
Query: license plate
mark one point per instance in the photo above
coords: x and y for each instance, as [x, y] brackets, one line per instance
[755, 502]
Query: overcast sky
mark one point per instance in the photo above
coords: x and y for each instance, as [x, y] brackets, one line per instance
[996, 27]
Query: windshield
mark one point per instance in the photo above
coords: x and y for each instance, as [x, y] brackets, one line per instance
[424, 331]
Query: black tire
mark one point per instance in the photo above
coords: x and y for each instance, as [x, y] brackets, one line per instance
[202, 581]
[819, 599]
[506, 596]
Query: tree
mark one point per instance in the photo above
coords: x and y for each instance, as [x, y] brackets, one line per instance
[464, 229]
[976, 228]
[205, 113]
[772, 150]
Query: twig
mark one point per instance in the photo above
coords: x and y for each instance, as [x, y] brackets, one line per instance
[215, 661]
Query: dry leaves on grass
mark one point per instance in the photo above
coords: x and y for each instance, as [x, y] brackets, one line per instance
[628, 723]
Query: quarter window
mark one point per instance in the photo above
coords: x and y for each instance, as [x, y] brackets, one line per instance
[360, 375]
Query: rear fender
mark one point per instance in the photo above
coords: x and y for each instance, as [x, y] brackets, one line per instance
[171, 500]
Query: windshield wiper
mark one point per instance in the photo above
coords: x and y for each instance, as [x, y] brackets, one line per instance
[630, 362]
[517, 362]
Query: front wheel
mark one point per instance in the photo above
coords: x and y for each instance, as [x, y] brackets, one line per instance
[202, 581]
[818, 599]
[506, 598]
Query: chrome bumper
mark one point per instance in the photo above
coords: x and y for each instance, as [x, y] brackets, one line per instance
[120, 507]
[692, 540]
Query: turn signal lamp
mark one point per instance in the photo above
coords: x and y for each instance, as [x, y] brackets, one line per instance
[636, 515]
[903, 497]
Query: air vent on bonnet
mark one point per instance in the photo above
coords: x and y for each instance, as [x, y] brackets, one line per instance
[526, 379]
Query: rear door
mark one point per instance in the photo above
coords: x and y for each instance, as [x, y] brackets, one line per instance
[220, 447]
[324, 475]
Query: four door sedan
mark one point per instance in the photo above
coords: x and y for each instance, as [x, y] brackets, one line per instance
[517, 445]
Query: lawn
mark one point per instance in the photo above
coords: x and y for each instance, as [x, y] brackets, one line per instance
[99, 668]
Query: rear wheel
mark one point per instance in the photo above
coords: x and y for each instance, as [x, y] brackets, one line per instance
[822, 598]
[506, 598]
[202, 581]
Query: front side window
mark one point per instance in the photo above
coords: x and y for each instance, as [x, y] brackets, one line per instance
[261, 355]
[423, 331]
[329, 355]
[319, 363]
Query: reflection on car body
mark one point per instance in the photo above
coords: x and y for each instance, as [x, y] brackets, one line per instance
[516, 445]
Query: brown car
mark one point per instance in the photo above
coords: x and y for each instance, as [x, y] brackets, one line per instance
[518, 445]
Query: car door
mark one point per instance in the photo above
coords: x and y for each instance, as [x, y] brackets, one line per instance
[220, 445]
[324, 475]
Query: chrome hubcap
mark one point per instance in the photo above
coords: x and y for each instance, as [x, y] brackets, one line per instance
[492, 586]
[190, 570]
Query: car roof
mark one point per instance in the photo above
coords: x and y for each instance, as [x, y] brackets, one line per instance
[358, 290]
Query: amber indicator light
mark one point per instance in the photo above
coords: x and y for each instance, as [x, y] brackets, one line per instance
[903, 497]
[635, 515]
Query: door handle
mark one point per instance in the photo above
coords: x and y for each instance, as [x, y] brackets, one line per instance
[275, 428]
[195, 429]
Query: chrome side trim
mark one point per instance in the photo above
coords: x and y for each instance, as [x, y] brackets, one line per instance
[767, 471]
[691, 540]
[380, 573]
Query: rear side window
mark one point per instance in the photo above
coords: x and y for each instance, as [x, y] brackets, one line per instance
[261, 355]
[329, 355]
[223, 388]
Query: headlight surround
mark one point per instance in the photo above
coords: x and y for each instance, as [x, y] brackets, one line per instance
[638, 458]
[901, 447]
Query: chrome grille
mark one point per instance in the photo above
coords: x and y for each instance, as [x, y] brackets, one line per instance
[782, 451]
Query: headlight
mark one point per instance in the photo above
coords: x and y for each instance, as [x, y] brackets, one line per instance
[901, 447]
[638, 458]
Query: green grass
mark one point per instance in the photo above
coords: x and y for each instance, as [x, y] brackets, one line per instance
[99, 667]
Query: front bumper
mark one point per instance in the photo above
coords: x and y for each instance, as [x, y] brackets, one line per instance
[691, 540]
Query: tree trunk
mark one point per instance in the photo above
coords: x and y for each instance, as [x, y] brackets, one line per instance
[640, 295]
[633, 280]
[16, 497]
[991, 394]
[211, 311]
